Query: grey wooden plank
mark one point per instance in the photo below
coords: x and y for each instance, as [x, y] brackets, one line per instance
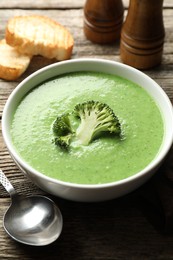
[59, 4]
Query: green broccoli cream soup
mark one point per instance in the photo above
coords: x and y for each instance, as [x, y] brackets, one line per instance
[108, 157]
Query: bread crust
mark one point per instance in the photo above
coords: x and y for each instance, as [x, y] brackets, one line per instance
[12, 63]
[39, 35]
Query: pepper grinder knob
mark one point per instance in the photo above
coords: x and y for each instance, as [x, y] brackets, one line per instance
[142, 35]
[103, 20]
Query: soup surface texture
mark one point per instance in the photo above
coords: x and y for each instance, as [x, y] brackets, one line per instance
[105, 159]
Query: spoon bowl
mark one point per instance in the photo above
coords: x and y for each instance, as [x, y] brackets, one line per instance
[34, 220]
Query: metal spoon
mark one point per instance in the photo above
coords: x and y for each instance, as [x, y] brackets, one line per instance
[33, 220]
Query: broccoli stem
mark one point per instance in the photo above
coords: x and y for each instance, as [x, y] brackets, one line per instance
[85, 131]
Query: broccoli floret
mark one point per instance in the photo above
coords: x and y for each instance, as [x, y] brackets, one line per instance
[63, 141]
[61, 125]
[96, 118]
[63, 131]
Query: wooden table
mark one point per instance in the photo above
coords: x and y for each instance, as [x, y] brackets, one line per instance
[117, 229]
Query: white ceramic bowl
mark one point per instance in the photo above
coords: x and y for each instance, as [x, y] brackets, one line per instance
[81, 192]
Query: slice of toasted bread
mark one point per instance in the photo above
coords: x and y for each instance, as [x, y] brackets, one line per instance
[39, 35]
[12, 63]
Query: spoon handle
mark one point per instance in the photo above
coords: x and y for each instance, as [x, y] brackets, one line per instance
[6, 184]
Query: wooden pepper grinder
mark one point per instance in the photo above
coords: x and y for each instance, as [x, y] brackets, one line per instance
[142, 35]
[103, 20]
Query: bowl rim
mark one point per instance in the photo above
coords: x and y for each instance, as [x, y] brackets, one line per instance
[26, 167]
